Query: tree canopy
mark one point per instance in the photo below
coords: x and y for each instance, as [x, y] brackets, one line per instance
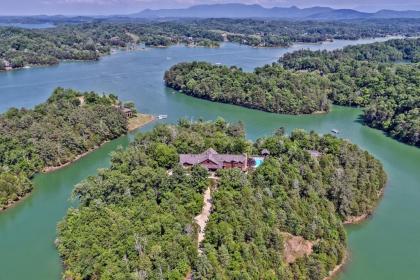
[382, 77]
[80, 40]
[52, 134]
[270, 88]
[136, 219]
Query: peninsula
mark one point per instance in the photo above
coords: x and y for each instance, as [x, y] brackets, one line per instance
[269, 88]
[53, 134]
[276, 212]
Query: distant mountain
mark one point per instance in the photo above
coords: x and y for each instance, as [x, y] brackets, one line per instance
[257, 11]
[341, 14]
[231, 11]
[396, 14]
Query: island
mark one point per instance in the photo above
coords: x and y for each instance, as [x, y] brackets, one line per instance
[383, 77]
[197, 200]
[55, 133]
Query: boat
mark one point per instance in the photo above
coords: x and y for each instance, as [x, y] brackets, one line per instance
[335, 131]
[161, 117]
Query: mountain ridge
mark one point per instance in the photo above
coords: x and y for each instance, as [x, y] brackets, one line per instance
[237, 10]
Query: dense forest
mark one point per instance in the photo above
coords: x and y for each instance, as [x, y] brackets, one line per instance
[269, 88]
[136, 219]
[89, 41]
[384, 78]
[52, 134]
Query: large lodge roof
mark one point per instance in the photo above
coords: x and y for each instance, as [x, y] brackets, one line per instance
[211, 155]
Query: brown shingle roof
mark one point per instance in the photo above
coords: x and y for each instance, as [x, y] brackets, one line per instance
[212, 155]
[126, 110]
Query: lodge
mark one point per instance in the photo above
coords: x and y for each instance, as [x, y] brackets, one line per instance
[213, 161]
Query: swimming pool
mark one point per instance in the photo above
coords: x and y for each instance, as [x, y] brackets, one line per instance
[258, 161]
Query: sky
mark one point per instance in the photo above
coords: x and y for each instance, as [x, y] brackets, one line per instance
[107, 7]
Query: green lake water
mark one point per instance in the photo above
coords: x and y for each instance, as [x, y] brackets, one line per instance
[387, 246]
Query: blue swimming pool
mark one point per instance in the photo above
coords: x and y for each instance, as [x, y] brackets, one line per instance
[258, 162]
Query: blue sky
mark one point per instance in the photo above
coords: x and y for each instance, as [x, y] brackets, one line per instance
[86, 7]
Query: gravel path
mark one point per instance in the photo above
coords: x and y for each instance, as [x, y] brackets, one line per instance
[203, 218]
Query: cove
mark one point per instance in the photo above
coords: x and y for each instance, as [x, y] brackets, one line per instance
[385, 247]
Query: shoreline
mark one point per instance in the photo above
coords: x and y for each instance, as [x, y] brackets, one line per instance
[50, 169]
[15, 202]
[136, 48]
[179, 91]
[139, 120]
[319, 112]
[338, 268]
[355, 220]
[142, 120]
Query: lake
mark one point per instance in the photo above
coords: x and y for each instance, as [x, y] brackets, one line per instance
[385, 247]
[27, 25]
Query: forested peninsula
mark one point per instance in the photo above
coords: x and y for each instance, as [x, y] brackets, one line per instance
[76, 40]
[270, 88]
[305, 189]
[52, 134]
[384, 78]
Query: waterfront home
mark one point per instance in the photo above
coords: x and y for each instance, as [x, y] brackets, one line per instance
[212, 161]
[7, 65]
[127, 112]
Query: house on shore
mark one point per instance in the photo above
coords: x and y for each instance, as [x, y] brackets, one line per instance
[213, 161]
[7, 65]
[127, 112]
